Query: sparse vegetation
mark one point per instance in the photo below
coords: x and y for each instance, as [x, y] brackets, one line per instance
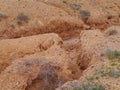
[22, 18]
[11, 25]
[85, 14]
[59, 44]
[75, 6]
[90, 78]
[114, 73]
[90, 86]
[111, 32]
[64, 1]
[2, 15]
[113, 69]
[112, 54]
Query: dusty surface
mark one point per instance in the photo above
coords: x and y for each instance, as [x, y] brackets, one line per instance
[59, 44]
[12, 49]
[44, 16]
[94, 61]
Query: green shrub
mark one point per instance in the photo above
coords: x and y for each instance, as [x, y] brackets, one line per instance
[112, 54]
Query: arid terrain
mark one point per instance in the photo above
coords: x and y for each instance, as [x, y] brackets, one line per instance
[59, 44]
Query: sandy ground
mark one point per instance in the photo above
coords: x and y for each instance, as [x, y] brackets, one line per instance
[59, 44]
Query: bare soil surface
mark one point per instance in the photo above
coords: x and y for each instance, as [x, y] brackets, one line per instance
[59, 44]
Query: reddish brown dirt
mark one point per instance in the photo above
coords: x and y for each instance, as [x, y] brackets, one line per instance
[56, 41]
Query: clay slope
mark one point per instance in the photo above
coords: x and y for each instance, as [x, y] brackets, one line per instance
[12, 49]
[30, 74]
[29, 61]
[99, 61]
[59, 44]
[41, 18]
[33, 17]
